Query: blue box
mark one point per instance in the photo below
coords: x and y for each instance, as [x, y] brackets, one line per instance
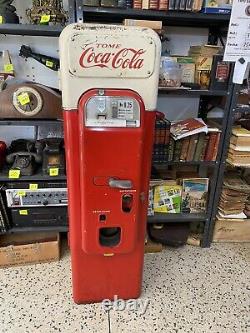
[213, 7]
[216, 10]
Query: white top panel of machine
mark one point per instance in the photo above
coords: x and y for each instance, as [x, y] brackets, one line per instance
[112, 57]
[109, 56]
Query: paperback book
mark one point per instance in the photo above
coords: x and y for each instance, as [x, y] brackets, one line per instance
[194, 195]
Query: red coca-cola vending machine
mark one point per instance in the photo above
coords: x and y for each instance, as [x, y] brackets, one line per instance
[109, 81]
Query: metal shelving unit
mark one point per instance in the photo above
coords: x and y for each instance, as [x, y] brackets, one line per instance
[39, 176]
[39, 30]
[34, 30]
[38, 229]
[106, 14]
[30, 30]
[28, 122]
[216, 24]
[194, 163]
[224, 150]
[175, 218]
[192, 92]
[202, 166]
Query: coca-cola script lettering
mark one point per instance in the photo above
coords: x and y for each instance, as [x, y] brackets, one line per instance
[125, 58]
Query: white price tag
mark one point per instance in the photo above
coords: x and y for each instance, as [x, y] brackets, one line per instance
[238, 38]
[125, 109]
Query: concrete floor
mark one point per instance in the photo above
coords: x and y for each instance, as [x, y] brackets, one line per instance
[189, 290]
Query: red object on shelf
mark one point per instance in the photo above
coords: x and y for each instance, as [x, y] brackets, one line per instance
[3, 148]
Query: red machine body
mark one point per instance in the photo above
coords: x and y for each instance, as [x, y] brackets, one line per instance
[3, 149]
[108, 144]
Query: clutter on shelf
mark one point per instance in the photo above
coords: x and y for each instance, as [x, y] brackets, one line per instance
[178, 196]
[208, 6]
[47, 12]
[234, 201]
[28, 157]
[203, 68]
[186, 140]
[232, 221]
[239, 149]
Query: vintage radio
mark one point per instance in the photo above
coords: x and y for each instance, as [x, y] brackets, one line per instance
[45, 194]
[30, 100]
[39, 217]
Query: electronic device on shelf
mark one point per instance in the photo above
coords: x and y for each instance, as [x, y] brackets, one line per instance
[50, 62]
[24, 155]
[36, 205]
[3, 148]
[39, 217]
[53, 156]
[30, 101]
[36, 198]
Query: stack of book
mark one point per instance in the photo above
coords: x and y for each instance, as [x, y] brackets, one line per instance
[239, 149]
[183, 5]
[192, 140]
[161, 141]
[234, 197]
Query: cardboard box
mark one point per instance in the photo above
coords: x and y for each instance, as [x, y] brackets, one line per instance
[203, 71]
[155, 25]
[29, 248]
[152, 247]
[188, 68]
[232, 231]
[216, 7]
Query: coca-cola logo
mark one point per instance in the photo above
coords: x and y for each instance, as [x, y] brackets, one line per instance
[112, 57]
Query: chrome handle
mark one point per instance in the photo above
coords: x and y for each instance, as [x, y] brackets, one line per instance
[118, 183]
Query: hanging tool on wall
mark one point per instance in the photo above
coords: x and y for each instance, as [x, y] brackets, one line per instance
[49, 62]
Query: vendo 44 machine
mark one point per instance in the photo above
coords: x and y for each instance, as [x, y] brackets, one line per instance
[109, 81]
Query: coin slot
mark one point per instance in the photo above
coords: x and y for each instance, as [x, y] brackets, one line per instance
[102, 217]
[127, 203]
[110, 236]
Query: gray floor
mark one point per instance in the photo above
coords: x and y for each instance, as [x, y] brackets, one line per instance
[189, 290]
